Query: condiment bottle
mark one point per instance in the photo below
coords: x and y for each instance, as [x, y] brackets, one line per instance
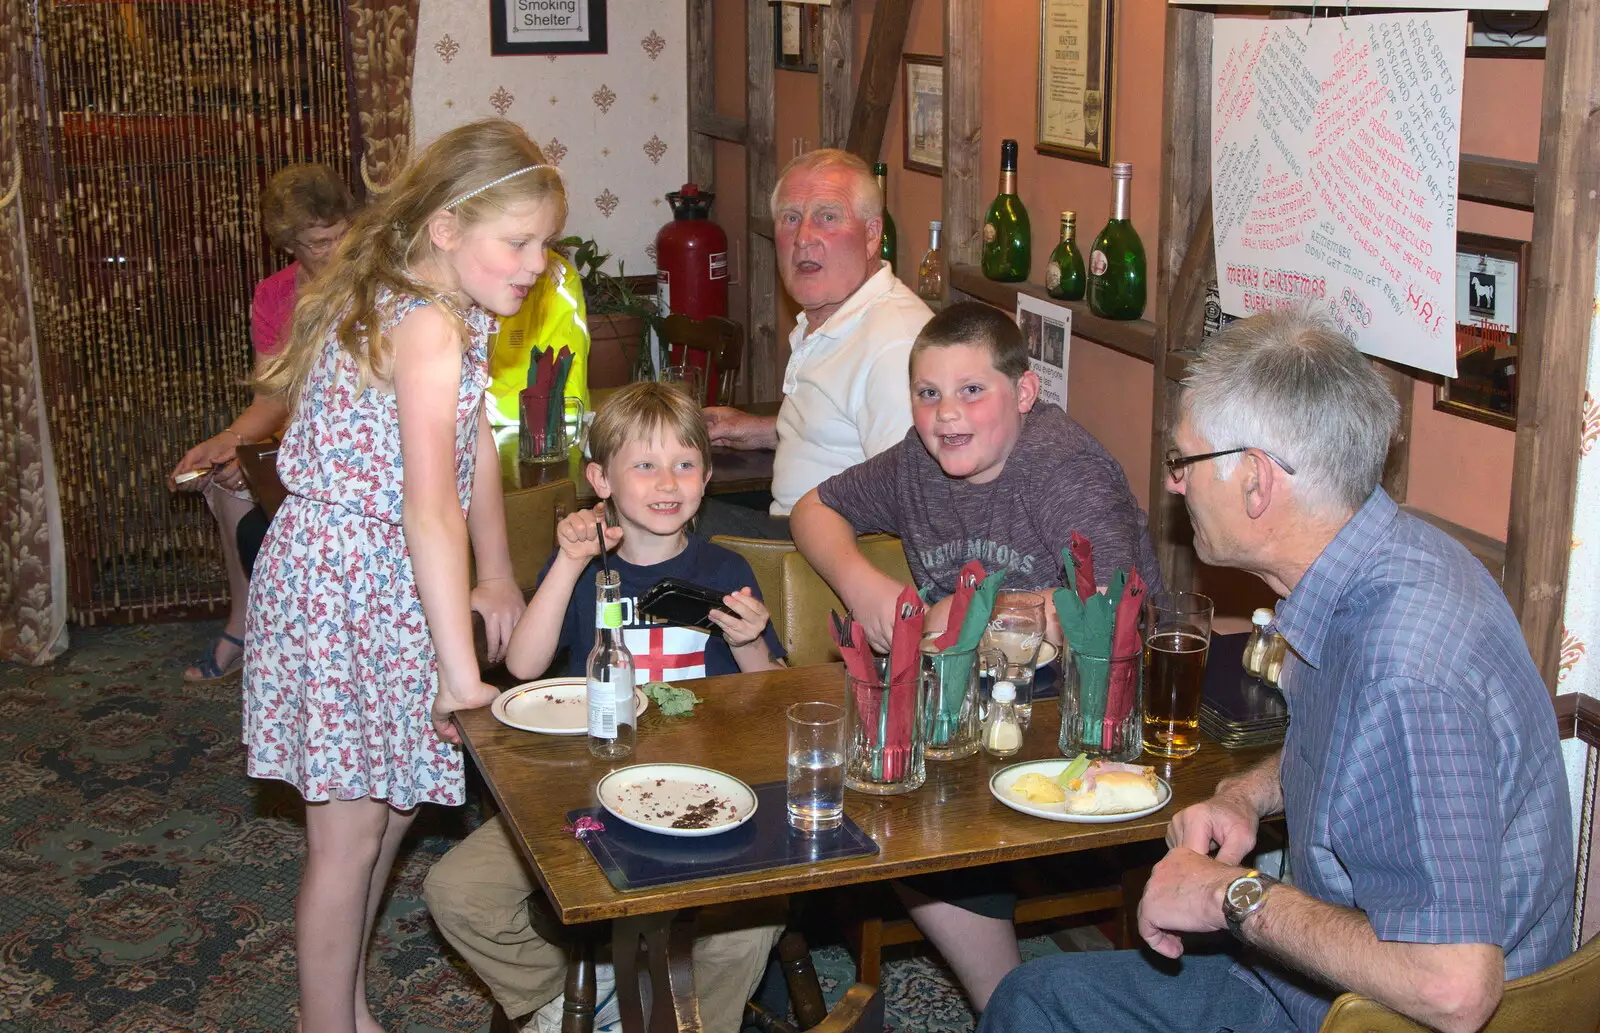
[1002, 729]
[1272, 661]
[1257, 649]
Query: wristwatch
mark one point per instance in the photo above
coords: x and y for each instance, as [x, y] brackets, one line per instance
[1244, 897]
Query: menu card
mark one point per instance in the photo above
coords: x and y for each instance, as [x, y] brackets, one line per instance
[1335, 149]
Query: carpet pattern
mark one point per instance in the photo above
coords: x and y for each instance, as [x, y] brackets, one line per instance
[149, 884]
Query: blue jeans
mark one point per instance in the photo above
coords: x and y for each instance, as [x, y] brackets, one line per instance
[1132, 992]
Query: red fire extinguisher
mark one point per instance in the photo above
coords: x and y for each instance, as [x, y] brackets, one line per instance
[692, 270]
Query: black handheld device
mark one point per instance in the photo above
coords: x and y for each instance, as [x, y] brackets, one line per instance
[677, 601]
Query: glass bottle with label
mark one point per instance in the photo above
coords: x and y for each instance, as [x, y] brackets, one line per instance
[1116, 265]
[1259, 644]
[612, 731]
[1007, 239]
[930, 275]
[889, 243]
[1063, 275]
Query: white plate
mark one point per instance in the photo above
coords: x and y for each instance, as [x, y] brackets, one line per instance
[554, 706]
[1047, 655]
[653, 796]
[1001, 781]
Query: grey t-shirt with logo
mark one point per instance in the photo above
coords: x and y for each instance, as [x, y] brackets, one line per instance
[1058, 479]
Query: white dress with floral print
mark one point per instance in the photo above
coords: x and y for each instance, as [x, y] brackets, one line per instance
[339, 673]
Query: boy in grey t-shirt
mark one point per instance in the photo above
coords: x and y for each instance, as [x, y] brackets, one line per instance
[984, 474]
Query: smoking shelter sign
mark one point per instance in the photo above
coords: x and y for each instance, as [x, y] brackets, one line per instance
[1335, 148]
[547, 21]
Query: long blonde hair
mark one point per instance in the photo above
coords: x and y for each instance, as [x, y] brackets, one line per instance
[390, 238]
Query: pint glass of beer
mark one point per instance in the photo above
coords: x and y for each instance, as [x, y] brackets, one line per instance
[1177, 635]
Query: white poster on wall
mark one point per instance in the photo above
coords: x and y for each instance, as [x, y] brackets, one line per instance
[1335, 145]
[1047, 327]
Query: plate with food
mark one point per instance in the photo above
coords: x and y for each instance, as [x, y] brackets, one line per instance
[1093, 792]
[677, 799]
[554, 706]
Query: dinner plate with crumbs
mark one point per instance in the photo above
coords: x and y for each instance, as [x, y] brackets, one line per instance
[1001, 785]
[553, 706]
[677, 799]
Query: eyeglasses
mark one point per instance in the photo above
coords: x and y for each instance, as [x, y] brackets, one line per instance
[1177, 462]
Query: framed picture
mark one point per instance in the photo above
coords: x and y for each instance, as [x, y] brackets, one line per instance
[520, 27]
[1075, 48]
[1506, 33]
[796, 36]
[1491, 288]
[924, 108]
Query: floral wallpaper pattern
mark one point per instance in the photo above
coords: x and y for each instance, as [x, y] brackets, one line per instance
[616, 123]
[1580, 633]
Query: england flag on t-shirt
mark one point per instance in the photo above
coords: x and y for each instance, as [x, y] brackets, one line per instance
[664, 652]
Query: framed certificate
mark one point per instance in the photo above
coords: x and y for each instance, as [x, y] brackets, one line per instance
[1075, 48]
[1491, 287]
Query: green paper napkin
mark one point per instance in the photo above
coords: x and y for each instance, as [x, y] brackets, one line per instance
[954, 664]
[1087, 625]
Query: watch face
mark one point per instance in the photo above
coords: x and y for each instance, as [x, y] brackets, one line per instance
[1245, 894]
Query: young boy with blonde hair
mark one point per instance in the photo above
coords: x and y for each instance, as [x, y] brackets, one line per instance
[649, 463]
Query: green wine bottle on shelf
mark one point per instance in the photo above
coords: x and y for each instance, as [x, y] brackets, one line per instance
[889, 244]
[1063, 275]
[1007, 240]
[1116, 265]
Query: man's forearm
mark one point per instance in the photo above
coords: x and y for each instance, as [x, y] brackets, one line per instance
[764, 432]
[1452, 987]
[1259, 785]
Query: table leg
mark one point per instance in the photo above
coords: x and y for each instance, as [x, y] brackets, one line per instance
[577, 1013]
[668, 942]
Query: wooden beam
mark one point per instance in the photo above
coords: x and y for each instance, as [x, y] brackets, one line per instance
[1397, 465]
[768, 351]
[1552, 365]
[963, 134]
[1498, 181]
[702, 92]
[879, 71]
[1181, 261]
[717, 127]
[1134, 337]
[837, 71]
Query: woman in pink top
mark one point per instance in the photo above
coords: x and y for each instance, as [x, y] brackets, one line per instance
[305, 211]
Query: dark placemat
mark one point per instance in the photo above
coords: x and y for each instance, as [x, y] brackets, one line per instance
[634, 859]
[1234, 697]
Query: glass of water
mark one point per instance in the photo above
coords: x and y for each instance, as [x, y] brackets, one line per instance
[816, 766]
[1016, 628]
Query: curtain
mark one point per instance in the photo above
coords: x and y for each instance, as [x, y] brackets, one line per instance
[382, 44]
[33, 603]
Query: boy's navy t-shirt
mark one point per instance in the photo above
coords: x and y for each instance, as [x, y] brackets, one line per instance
[661, 652]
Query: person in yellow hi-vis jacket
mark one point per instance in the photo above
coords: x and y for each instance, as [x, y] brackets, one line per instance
[552, 317]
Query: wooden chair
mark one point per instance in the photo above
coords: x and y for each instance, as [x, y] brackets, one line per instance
[259, 464]
[531, 518]
[797, 597]
[722, 342]
[1564, 998]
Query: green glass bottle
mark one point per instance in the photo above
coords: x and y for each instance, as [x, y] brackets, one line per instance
[1007, 240]
[1063, 275]
[889, 244]
[1116, 265]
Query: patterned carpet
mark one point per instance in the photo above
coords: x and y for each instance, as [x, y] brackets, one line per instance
[150, 885]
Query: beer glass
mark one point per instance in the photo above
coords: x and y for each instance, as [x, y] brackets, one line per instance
[1177, 636]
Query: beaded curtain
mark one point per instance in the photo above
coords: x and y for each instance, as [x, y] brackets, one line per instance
[158, 125]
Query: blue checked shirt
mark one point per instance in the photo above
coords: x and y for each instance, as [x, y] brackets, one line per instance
[1422, 774]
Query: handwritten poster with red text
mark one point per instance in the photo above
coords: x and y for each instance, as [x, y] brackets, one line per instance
[1335, 145]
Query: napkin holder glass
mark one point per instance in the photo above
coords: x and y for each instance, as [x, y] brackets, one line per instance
[873, 762]
[569, 433]
[1083, 732]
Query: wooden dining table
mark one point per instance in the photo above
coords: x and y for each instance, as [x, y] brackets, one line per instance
[952, 822]
[733, 471]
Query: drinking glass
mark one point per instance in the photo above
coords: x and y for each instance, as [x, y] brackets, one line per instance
[1177, 638]
[535, 446]
[883, 733]
[816, 766]
[689, 379]
[1091, 686]
[952, 695]
[1016, 628]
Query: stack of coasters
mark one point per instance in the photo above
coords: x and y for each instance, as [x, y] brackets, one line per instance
[1236, 709]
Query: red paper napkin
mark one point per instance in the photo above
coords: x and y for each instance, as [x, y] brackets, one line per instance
[905, 659]
[967, 582]
[1082, 565]
[1124, 642]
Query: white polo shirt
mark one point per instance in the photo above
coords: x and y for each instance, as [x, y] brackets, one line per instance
[847, 390]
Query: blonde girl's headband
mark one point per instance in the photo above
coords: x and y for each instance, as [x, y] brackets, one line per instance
[495, 183]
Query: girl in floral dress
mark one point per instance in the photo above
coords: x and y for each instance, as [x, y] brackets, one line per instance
[358, 643]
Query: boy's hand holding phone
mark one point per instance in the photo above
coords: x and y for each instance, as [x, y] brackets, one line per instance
[743, 620]
[578, 537]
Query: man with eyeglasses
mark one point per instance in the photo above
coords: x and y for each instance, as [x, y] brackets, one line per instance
[1421, 783]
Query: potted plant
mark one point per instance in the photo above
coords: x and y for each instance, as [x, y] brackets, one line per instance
[619, 316]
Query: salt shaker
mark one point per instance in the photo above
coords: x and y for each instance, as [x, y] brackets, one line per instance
[1002, 728]
[1259, 647]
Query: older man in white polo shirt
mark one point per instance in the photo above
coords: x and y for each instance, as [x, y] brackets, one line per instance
[847, 392]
